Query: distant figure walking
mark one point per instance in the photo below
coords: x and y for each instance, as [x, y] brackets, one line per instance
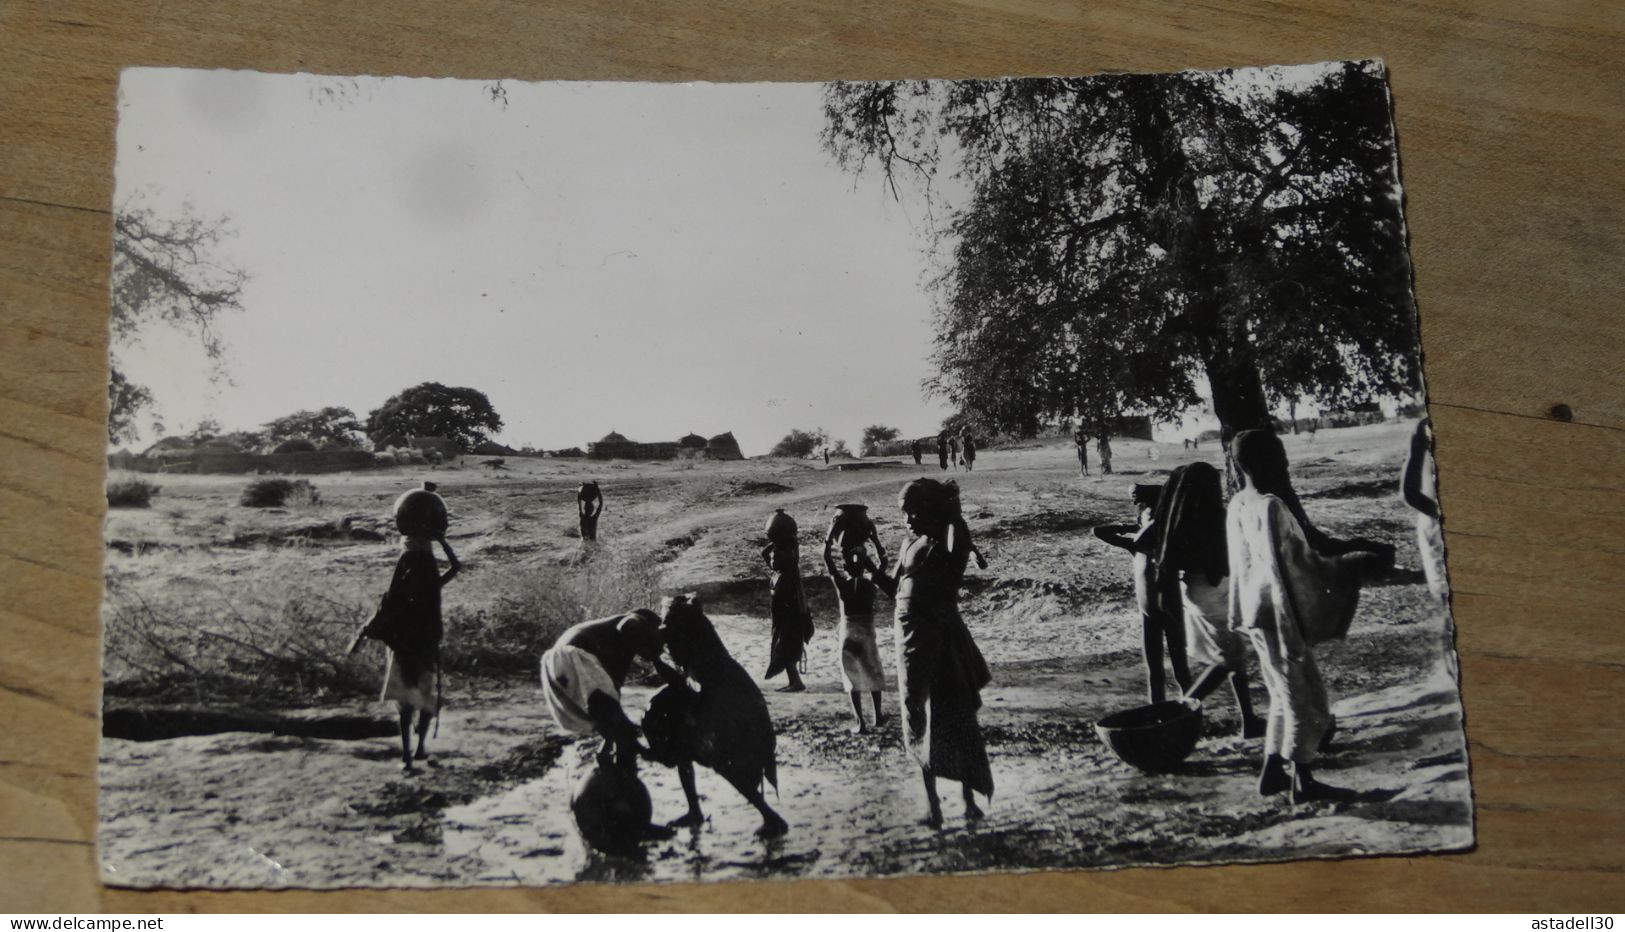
[1158, 602]
[792, 622]
[940, 671]
[953, 450]
[1081, 439]
[826, 456]
[942, 450]
[1103, 446]
[914, 447]
[408, 619]
[1419, 488]
[1189, 547]
[967, 447]
[589, 505]
[861, 671]
[1291, 587]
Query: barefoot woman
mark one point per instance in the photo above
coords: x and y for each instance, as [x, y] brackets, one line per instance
[1291, 587]
[940, 670]
[792, 622]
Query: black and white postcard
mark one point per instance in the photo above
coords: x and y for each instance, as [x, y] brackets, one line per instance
[535, 483]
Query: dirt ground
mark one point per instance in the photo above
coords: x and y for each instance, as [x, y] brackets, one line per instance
[316, 800]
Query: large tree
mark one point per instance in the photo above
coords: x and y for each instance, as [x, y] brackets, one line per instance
[166, 271]
[1120, 238]
[331, 427]
[434, 410]
[874, 435]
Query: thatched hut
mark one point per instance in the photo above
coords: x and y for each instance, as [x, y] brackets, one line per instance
[296, 445]
[723, 447]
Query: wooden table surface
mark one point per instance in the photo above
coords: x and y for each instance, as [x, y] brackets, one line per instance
[1510, 117]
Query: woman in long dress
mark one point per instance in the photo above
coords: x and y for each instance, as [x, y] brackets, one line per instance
[940, 671]
[1188, 548]
[792, 622]
[1419, 488]
[409, 624]
[1291, 587]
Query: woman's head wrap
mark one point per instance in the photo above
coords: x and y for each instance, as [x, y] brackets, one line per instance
[1189, 523]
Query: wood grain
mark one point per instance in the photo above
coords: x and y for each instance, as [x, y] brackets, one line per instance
[1510, 119]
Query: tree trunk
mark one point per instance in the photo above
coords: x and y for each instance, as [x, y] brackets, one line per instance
[1238, 399]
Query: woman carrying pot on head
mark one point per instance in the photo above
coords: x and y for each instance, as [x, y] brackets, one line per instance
[792, 622]
[940, 671]
[850, 533]
[408, 620]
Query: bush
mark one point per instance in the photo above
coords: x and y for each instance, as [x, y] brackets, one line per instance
[274, 493]
[296, 445]
[130, 493]
[277, 633]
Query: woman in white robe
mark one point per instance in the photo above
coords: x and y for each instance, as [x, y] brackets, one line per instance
[1291, 587]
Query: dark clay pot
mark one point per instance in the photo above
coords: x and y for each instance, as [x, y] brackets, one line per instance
[422, 513]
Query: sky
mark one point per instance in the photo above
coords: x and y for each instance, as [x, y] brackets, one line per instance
[653, 259]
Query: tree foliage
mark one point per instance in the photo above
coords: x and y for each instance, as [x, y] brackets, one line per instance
[166, 272]
[435, 410]
[1126, 236]
[800, 444]
[331, 427]
[874, 435]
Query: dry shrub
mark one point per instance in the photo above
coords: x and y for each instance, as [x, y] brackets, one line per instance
[275, 493]
[501, 620]
[277, 635]
[130, 493]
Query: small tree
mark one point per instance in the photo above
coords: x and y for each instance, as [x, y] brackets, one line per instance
[839, 448]
[800, 444]
[464, 415]
[874, 435]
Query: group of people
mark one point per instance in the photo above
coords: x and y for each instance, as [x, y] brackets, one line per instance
[940, 670]
[1103, 447]
[1211, 579]
[953, 451]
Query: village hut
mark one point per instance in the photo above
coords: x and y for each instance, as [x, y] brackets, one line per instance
[692, 442]
[295, 445]
[492, 448]
[613, 446]
[724, 447]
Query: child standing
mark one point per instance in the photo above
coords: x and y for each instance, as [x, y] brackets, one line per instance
[861, 671]
[1159, 619]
